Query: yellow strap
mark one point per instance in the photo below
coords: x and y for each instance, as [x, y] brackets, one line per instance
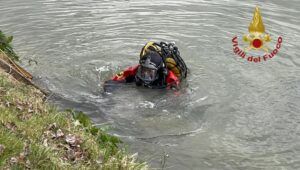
[119, 75]
[146, 47]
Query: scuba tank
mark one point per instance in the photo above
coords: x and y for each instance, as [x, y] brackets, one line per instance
[170, 55]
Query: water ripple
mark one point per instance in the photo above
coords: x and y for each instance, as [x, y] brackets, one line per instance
[247, 113]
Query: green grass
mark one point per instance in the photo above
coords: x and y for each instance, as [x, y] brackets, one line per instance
[36, 135]
[6, 47]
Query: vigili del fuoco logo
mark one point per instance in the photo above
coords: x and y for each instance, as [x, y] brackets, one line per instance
[257, 40]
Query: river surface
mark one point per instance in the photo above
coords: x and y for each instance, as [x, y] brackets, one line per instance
[230, 114]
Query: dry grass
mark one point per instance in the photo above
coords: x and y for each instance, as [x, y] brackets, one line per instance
[34, 135]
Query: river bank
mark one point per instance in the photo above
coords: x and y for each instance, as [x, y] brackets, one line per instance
[36, 135]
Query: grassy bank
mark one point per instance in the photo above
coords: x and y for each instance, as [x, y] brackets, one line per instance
[35, 135]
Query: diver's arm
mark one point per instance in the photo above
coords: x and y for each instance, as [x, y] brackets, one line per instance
[126, 76]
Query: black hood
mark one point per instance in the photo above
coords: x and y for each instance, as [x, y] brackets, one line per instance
[154, 57]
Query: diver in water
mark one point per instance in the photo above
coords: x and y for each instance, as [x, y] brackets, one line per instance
[160, 66]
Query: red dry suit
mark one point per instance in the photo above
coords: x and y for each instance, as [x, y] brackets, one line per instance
[128, 76]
